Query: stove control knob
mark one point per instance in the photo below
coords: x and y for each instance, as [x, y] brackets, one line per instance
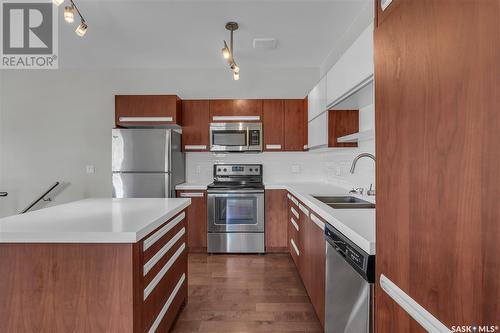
[251, 169]
[225, 169]
[218, 169]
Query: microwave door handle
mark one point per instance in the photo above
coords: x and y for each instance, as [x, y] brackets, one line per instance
[248, 138]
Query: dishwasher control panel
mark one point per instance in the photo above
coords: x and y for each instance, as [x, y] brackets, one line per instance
[357, 258]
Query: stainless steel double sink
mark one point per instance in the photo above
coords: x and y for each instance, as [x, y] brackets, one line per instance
[344, 202]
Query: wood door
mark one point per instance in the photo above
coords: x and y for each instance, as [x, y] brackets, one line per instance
[295, 125]
[276, 224]
[234, 109]
[273, 124]
[195, 125]
[340, 123]
[141, 110]
[197, 220]
[438, 160]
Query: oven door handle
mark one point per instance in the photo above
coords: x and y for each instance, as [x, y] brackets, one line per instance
[214, 192]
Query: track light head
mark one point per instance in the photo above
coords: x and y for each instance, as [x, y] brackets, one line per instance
[81, 30]
[69, 14]
[236, 76]
[225, 51]
[57, 2]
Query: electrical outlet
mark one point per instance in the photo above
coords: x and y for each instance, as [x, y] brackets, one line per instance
[90, 169]
[198, 169]
[338, 171]
[295, 168]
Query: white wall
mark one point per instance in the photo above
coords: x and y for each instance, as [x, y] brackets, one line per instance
[55, 122]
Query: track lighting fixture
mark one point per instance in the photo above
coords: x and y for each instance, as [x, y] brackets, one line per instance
[228, 52]
[69, 16]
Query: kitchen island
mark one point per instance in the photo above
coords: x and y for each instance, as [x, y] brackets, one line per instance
[95, 265]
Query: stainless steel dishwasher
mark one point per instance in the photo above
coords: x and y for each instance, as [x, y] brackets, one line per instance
[350, 274]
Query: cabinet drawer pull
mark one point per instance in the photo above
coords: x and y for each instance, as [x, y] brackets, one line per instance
[143, 119]
[288, 196]
[160, 233]
[235, 118]
[169, 301]
[304, 209]
[295, 225]
[270, 147]
[192, 194]
[150, 264]
[295, 201]
[317, 221]
[151, 286]
[294, 212]
[195, 147]
[295, 247]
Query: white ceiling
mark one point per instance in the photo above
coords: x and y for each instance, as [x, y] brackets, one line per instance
[189, 33]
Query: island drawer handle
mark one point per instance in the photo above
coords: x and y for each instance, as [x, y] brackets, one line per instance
[304, 209]
[169, 301]
[160, 233]
[294, 247]
[192, 194]
[151, 286]
[152, 262]
[294, 212]
[317, 221]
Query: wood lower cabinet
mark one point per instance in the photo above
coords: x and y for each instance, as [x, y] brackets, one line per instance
[147, 110]
[81, 287]
[197, 226]
[227, 110]
[295, 136]
[438, 160]
[276, 221]
[195, 125]
[307, 247]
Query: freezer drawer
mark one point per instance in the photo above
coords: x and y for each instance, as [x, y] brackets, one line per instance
[141, 150]
[141, 185]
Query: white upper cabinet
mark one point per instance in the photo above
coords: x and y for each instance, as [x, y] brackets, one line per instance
[352, 70]
[316, 100]
[317, 135]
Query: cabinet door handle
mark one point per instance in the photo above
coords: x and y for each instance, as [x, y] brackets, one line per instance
[273, 147]
[143, 119]
[192, 194]
[304, 209]
[318, 222]
[235, 118]
[195, 147]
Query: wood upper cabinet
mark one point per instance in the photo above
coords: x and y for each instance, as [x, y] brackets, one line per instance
[295, 136]
[274, 124]
[147, 110]
[341, 123]
[196, 220]
[438, 160]
[227, 110]
[195, 125]
[276, 214]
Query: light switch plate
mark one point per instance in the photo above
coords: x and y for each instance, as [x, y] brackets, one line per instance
[198, 169]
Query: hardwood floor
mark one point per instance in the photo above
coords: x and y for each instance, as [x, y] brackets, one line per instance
[245, 293]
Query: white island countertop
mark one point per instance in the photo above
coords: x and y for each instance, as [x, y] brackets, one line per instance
[356, 224]
[103, 220]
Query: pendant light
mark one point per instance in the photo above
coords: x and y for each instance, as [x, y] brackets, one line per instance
[228, 52]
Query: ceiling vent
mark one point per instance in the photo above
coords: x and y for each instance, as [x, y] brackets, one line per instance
[264, 43]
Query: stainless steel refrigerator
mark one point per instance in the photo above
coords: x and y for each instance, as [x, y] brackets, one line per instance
[146, 163]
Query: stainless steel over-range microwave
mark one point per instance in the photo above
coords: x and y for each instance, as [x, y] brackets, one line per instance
[236, 137]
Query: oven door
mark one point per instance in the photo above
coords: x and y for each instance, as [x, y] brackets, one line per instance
[236, 211]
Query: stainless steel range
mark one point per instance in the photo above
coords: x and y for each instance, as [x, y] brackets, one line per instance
[236, 209]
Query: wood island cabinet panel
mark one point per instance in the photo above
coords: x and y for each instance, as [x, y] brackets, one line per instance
[341, 123]
[316, 252]
[273, 125]
[197, 225]
[276, 224]
[235, 107]
[139, 106]
[438, 161]
[195, 125]
[295, 125]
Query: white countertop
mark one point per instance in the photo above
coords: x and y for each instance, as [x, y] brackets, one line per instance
[103, 220]
[356, 224]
